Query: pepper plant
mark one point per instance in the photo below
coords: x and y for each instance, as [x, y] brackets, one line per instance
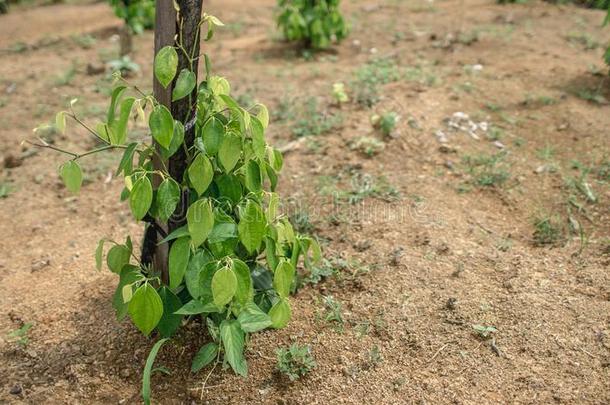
[314, 23]
[139, 15]
[233, 260]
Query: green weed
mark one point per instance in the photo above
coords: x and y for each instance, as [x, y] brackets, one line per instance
[371, 76]
[548, 230]
[295, 361]
[487, 170]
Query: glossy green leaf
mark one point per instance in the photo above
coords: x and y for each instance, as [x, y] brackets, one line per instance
[99, 253]
[280, 314]
[168, 196]
[175, 234]
[230, 151]
[128, 277]
[244, 291]
[118, 128]
[60, 122]
[185, 84]
[251, 226]
[263, 115]
[146, 308]
[126, 164]
[213, 134]
[161, 125]
[140, 197]
[224, 285]
[252, 319]
[201, 173]
[196, 307]
[117, 257]
[194, 268]
[72, 175]
[258, 139]
[229, 187]
[166, 64]
[200, 220]
[170, 321]
[204, 356]
[233, 338]
[114, 98]
[283, 277]
[177, 140]
[253, 176]
[179, 256]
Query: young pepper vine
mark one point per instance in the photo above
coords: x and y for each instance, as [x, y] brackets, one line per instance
[234, 261]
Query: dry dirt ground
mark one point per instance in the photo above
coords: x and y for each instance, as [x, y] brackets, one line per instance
[440, 235]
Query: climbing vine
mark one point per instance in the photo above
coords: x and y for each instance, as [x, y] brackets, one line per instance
[233, 261]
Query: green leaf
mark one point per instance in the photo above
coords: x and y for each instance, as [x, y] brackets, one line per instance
[200, 221]
[99, 252]
[72, 175]
[263, 115]
[201, 173]
[229, 187]
[185, 84]
[194, 268]
[230, 151]
[258, 139]
[129, 275]
[116, 96]
[148, 370]
[168, 196]
[213, 133]
[251, 226]
[118, 128]
[175, 234]
[60, 122]
[253, 176]
[177, 140]
[282, 278]
[145, 308]
[161, 125]
[196, 307]
[205, 281]
[232, 337]
[126, 165]
[252, 319]
[224, 285]
[179, 255]
[117, 257]
[166, 64]
[280, 313]
[140, 197]
[204, 356]
[170, 321]
[244, 291]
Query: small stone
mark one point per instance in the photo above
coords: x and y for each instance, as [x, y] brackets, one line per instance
[125, 373]
[95, 69]
[16, 390]
[499, 145]
[451, 304]
[447, 149]
[12, 161]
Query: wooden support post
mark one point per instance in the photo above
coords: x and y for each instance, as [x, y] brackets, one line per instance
[172, 27]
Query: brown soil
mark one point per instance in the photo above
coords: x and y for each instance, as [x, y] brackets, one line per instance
[470, 245]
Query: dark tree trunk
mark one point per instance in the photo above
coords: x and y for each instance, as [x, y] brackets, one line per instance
[170, 25]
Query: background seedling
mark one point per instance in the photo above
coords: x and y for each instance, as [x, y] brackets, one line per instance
[295, 361]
